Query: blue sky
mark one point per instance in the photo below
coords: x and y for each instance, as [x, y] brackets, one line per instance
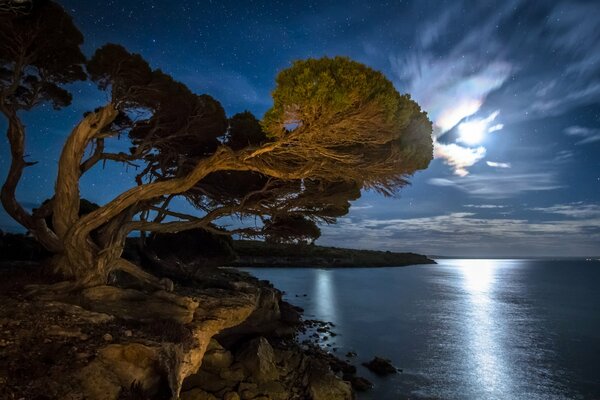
[513, 89]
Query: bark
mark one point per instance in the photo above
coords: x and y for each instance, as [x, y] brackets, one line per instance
[66, 197]
[37, 226]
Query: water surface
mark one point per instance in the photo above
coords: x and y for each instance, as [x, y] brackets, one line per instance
[463, 329]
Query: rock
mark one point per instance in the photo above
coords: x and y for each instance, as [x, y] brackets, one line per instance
[128, 333]
[350, 354]
[107, 337]
[208, 381]
[361, 384]
[323, 385]
[216, 358]
[258, 359]
[118, 366]
[231, 396]
[380, 366]
[197, 394]
[218, 312]
[274, 390]
[79, 313]
[248, 390]
[132, 304]
[55, 330]
[234, 373]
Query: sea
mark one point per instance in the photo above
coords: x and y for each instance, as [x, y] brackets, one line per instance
[461, 329]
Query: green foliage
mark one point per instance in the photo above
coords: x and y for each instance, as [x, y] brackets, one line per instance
[316, 90]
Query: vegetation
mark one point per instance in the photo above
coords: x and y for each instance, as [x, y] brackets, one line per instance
[336, 127]
[252, 253]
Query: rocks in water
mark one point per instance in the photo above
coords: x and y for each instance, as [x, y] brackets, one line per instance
[350, 354]
[380, 366]
[360, 384]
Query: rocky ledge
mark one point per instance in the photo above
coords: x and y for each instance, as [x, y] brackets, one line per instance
[223, 335]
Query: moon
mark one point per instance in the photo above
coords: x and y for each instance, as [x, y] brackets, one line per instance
[472, 132]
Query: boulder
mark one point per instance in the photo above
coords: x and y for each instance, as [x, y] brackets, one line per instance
[119, 366]
[323, 385]
[197, 394]
[361, 384]
[216, 358]
[381, 366]
[258, 359]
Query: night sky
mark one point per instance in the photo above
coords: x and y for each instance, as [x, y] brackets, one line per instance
[513, 89]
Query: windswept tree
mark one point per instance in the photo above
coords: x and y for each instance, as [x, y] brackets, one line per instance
[294, 229]
[336, 127]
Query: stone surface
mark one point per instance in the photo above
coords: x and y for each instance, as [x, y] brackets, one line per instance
[258, 359]
[119, 366]
[220, 310]
[216, 358]
[381, 366]
[322, 385]
[197, 394]
[361, 384]
[77, 313]
[231, 396]
[132, 304]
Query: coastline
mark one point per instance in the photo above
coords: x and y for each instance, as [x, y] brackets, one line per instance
[256, 254]
[225, 335]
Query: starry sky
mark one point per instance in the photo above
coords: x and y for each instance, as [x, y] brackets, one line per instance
[513, 90]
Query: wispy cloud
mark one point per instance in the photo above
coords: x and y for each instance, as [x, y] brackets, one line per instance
[588, 135]
[453, 87]
[463, 233]
[484, 206]
[495, 164]
[500, 186]
[575, 210]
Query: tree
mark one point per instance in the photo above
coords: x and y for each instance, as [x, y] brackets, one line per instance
[294, 229]
[336, 127]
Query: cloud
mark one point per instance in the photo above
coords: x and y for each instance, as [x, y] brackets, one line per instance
[453, 87]
[563, 156]
[575, 210]
[498, 164]
[571, 33]
[484, 206]
[463, 233]
[458, 157]
[588, 135]
[501, 186]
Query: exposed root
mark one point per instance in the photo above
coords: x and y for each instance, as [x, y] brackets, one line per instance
[143, 276]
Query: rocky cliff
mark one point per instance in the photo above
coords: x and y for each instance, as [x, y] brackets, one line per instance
[224, 335]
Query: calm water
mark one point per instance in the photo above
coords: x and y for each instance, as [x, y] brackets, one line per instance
[463, 329]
